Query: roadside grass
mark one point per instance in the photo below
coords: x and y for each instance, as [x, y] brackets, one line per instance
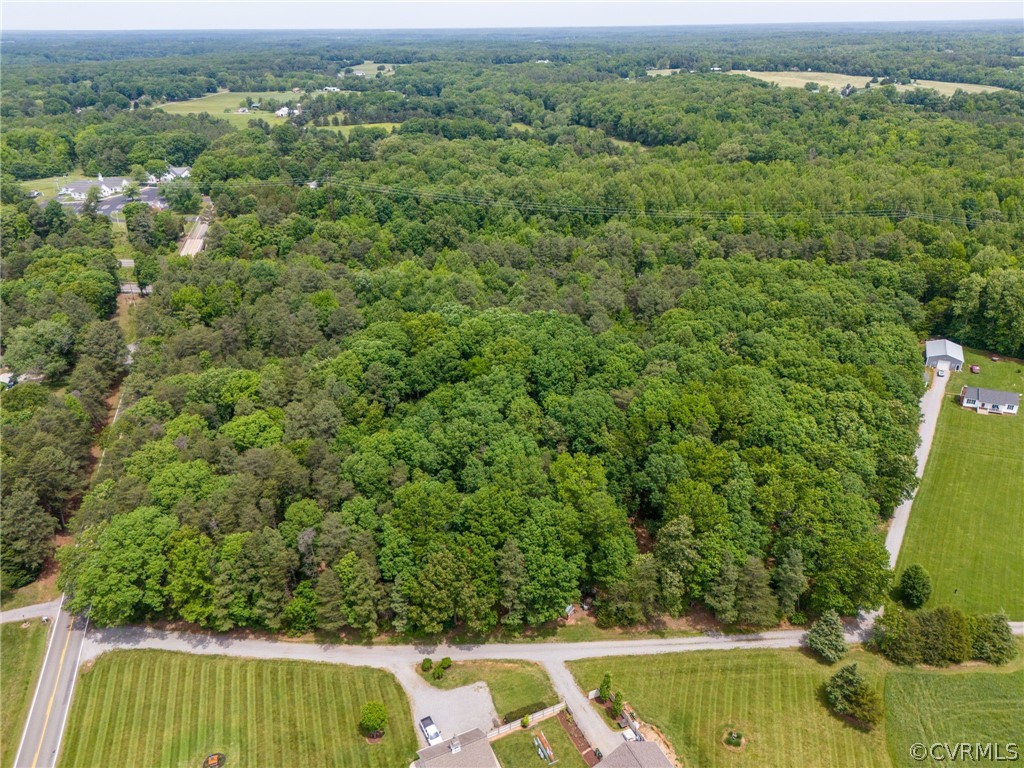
[966, 522]
[961, 707]
[518, 751]
[838, 80]
[42, 590]
[216, 103]
[513, 684]
[21, 658]
[50, 185]
[772, 696]
[159, 708]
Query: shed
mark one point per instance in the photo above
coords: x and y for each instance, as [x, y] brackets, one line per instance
[938, 351]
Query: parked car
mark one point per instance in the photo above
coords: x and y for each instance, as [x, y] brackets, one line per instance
[430, 732]
[940, 373]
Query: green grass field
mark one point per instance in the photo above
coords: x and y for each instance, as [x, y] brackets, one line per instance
[50, 186]
[518, 751]
[216, 103]
[952, 708]
[513, 684]
[838, 80]
[21, 658]
[345, 130]
[156, 708]
[771, 696]
[965, 526]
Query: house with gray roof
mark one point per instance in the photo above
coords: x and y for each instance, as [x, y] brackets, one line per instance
[467, 750]
[77, 190]
[636, 754]
[990, 400]
[944, 353]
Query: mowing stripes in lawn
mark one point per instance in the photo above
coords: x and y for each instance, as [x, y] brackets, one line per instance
[156, 708]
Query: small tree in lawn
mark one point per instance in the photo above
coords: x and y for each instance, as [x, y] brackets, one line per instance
[605, 691]
[373, 718]
[617, 704]
[848, 693]
[915, 586]
[825, 637]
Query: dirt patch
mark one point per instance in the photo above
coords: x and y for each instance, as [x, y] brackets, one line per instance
[374, 739]
[650, 733]
[578, 739]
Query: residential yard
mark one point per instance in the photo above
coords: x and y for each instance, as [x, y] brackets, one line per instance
[518, 751]
[953, 708]
[50, 186]
[966, 522]
[513, 684]
[837, 80]
[772, 696]
[157, 708]
[21, 658]
[225, 105]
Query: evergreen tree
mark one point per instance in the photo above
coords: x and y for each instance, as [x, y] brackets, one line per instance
[825, 637]
[361, 593]
[915, 586]
[721, 593]
[330, 605]
[790, 581]
[677, 555]
[756, 605]
[26, 537]
[512, 576]
[849, 693]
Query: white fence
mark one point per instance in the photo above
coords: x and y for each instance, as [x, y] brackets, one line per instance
[535, 717]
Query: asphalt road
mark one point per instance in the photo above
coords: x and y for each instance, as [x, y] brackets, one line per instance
[40, 742]
[194, 241]
[114, 204]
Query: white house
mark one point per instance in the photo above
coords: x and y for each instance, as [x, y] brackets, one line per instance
[943, 351]
[282, 112]
[77, 190]
[990, 400]
[332, 89]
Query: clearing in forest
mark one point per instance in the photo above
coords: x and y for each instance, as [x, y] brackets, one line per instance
[838, 80]
[157, 708]
[969, 511]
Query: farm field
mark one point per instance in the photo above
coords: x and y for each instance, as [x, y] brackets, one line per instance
[513, 684]
[518, 751]
[172, 709]
[21, 659]
[952, 708]
[369, 69]
[345, 130]
[771, 696]
[969, 511]
[216, 103]
[838, 80]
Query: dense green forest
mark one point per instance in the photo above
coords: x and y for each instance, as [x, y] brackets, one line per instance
[560, 334]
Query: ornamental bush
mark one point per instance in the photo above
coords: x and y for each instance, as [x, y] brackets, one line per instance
[373, 718]
[915, 587]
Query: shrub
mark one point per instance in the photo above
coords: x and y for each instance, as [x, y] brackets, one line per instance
[945, 636]
[438, 673]
[605, 691]
[898, 637]
[993, 640]
[797, 619]
[373, 718]
[525, 722]
[915, 587]
[617, 704]
[849, 694]
[825, 637]
[445, 663]
[426, 664]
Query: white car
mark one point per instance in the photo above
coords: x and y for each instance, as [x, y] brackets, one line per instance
[940, 373]
[430, 732]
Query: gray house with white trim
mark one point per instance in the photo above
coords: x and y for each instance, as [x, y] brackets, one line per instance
[990, 400]
[943, 351]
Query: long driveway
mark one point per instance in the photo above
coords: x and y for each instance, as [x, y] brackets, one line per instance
[931, 404]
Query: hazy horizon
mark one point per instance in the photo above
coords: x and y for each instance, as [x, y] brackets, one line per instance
[408, 15]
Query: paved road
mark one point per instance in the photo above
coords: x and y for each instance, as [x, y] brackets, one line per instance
[931, 404]
[40, 742]
[114, 204]
[193, 243]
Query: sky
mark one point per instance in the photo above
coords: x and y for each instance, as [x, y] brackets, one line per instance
[431, 14]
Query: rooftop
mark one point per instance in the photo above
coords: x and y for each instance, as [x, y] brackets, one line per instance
[940, 347]
[636, 754]
[994, 396]
[472, 750]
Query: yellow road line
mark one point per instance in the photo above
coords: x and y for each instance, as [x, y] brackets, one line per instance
[56, 684]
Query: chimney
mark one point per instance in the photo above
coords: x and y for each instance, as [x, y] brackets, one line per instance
[456, 746]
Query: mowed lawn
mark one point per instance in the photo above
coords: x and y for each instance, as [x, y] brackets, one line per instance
[157, 708]
[968, 516]
[21, 658]
[772, 696]
[838, 80]
[980, 706]
[216, 103]
[517, 750]
[513, 684]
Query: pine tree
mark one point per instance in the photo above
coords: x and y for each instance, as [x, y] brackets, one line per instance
[512, 577]
[915, 586]
[676, 554]
[756, 605]
[330, 602]
[825, 637]
[790, 581]
[721, 593]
